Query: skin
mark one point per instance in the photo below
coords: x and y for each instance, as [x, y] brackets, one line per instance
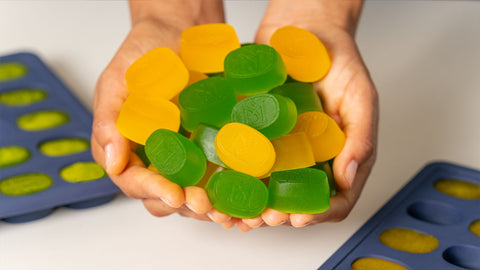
[347, 91]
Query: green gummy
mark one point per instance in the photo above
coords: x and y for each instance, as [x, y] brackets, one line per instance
[42, 120]
[25, 184]
[22, 97]
[13, 155]
[271, 114]
[140, 151]
[82, 172]
[175, 157]
[63, 146]
[11, 71]
[326, 166]
[209, 101]
[299, 191]
[255, 69]
[304, 96]
[204, 138]
[237, 194]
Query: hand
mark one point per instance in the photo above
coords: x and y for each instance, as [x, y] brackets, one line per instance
[154, 24]
[347, 93]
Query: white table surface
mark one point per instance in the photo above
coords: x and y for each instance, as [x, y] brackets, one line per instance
[424, 57]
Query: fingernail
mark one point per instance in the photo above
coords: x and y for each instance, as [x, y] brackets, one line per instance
[191, 208]
[167, 202]
[109, 154]
[209, 215]
[350, 172]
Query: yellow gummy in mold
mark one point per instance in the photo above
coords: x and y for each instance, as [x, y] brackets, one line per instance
[63, 146]
[458, 188]
[475, 227]
[375, 264]
[325, 136]
[139, 118]
[292, 151]
[25, 184]
[82, 172]
[408, 240]
[203, 48]
[42, 120]
[11, 71]
[244, 149]
[13, 155]
[158, 74]
[22, 97]
[304, 55]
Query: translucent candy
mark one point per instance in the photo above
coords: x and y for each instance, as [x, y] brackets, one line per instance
[204, 137]
[300, 191]
[304, 55]
[244, 149]
[138, 118]
[158, 74]
[255, 69]
[209, 101]
[236, 194]
[203, 48]
[175, 157]
[306, 99]
[273, 115]
[325, 136]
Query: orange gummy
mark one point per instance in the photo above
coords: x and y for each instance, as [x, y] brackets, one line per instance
[138, 118]
[244, 149]
[304, 55]
[203, 48]
[158, 74]
[325, 136]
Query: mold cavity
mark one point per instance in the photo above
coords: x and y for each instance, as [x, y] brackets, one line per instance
[408, 240]
[13, 155]
[25, 184]
[11, 71]
[458, 188]
[375, 264]
[435, 212]
[463, 256]
[63, 146]
[42, 120]
[82, 172]
[22, 97]
[475, 227]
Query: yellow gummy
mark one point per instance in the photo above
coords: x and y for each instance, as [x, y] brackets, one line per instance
[458, 188]
[203, 48]
[244, 149]
[82, 172]
[293, 151]
[158, 74]
[195, 76]
[408, 240]
[325, 136]
[375, 264]
[139, 118]
[475, 227]
[304, 55]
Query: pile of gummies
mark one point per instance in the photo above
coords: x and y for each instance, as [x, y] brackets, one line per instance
[251, 109]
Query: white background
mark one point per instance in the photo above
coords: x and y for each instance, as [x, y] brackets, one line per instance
[424, 57]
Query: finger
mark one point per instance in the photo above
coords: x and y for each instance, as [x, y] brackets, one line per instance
[218, 217]
[229, 223]
[242, 226]
[253, 222]
[301, 220]
[158, 208]
[273, 217]
[196, 199]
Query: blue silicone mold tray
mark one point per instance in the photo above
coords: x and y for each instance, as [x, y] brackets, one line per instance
[77, 195]
[420, 207]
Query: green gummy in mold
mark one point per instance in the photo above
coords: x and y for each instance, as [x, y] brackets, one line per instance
[299, 191]
[25, 184]
[42, 120]
[13, 155]
[271, 114]
[11, 71]
[82, 172]
[22, 97]
[175, 157]
[255, 69]
[304, 96]
[209, 101]
[204, 137]
[237, 194]
[63, 146]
